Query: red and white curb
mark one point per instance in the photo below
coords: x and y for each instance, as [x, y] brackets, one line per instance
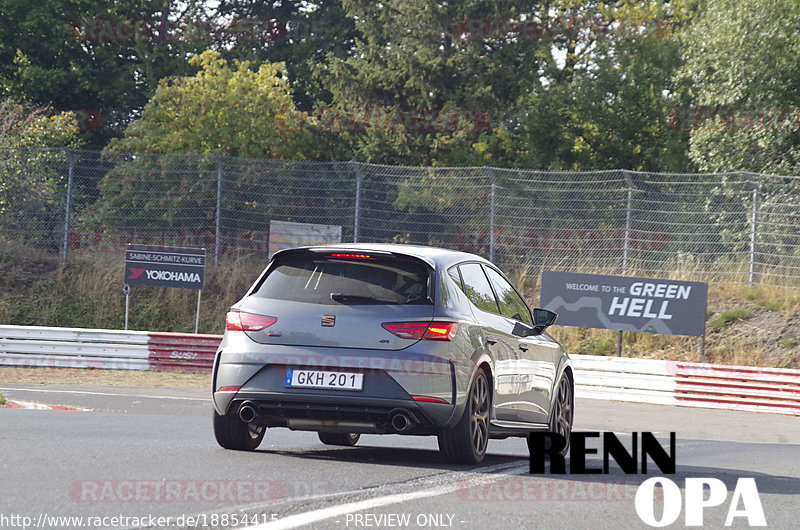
[38, 406]
[744, 388]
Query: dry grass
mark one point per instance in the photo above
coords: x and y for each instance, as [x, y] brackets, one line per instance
[91, 376]
[88, 293]
[745, 326]
[749, 326]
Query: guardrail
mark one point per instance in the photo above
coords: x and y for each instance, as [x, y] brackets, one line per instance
[774, 390]
[107, 349]
[182, 351]
[73, 348]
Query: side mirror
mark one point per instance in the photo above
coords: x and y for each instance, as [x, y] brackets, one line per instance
[523, 330]
[543, 318]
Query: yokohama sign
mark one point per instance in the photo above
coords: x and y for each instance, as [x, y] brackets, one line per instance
[165, 266]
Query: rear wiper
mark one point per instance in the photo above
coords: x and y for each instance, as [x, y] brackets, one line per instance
[357, 299]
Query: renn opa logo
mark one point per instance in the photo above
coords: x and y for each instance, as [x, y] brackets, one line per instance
[745, 501]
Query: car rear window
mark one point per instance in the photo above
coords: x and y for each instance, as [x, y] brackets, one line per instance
[354, 281]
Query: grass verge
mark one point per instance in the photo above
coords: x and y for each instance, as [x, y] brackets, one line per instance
[749, 326]
[100, 377]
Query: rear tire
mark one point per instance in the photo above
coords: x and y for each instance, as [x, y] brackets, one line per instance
[562, 415]
[466, 442]
[339, 438]
[233, 433]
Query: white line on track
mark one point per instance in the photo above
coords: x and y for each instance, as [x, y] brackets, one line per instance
[102, 394]
[454, 482]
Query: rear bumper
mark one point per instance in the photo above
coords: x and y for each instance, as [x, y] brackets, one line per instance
[341, 414]
[390, 380]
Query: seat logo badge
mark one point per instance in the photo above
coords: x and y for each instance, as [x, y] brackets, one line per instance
[328, 320]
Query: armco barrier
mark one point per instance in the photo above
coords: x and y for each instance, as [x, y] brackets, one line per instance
[73, 348]
[774, 390]
[109, 349]
[740, 387]
[182, 351]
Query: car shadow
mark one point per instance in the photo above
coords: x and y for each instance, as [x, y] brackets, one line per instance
[390, 456]
[432, 459]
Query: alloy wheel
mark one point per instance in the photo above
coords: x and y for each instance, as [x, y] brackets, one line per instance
[479, 414]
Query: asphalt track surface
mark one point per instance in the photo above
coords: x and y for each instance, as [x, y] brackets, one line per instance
[144, 453]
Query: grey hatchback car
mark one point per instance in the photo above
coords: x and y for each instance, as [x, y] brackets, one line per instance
[389, 339]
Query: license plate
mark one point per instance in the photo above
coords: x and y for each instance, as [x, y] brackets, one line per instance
[322, 379]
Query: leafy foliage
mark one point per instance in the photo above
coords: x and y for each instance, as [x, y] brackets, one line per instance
[222, 110]
[561, 85]
[85, 55]
[744, 83]
[303, 33]
[412, 62]
[32, 179]
[24, 126]
[226, 109]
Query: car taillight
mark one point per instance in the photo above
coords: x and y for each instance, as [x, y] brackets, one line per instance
[429, 399]
[350, 255]
[421, 330]
[238, 321]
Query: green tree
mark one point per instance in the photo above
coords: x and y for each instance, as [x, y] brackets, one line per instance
[560, 84]
[93, 55]
[742, 73]
[604, 92]
[414, 89]
[24, 126]
[33, 177]
[225, 109]
[298, 34]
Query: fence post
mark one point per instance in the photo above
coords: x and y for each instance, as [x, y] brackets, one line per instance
[628, 213]
[626, 242]
[70, 174]
[492, 210]
[218, 217]
[753, 226]
[357, 214]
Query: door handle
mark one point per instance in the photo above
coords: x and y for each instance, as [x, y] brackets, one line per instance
[490, 339]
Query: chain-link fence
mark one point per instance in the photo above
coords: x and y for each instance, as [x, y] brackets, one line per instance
[728, 227]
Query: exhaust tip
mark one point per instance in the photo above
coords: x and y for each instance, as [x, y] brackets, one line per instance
[401, 422]
[247, 413]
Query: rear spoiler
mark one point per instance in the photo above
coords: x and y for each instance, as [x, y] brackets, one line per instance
[331, 250]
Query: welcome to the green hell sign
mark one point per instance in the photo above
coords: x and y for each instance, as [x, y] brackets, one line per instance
[626, 303]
